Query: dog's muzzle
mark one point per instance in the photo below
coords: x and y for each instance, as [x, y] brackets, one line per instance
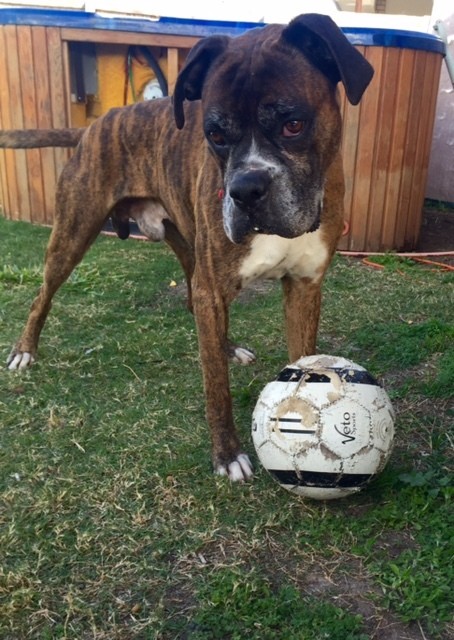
[253, 205]
[248, 189]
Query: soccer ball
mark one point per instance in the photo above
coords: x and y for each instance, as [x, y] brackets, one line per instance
[324, 428]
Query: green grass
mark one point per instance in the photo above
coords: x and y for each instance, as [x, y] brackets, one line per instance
[111, 524]
[240, 605]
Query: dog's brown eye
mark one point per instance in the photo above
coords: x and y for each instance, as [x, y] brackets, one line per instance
[217, 138]
[292, 128]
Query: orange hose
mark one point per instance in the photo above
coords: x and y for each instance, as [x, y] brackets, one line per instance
[438, 266]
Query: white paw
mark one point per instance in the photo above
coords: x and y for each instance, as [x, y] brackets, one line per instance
[239, 470]
[19, 360]
[240, 355]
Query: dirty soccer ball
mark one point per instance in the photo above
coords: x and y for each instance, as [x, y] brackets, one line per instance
[324, 428]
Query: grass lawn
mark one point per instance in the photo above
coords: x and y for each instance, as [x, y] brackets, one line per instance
[111, 524]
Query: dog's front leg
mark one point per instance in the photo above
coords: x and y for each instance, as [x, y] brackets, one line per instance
[211, 315]
[302, 299]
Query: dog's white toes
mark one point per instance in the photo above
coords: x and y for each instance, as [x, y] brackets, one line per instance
[241, 355]
[239, 470]
[20, 360]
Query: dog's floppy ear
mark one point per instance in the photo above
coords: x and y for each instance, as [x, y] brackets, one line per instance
[324, 44]
[190, 81]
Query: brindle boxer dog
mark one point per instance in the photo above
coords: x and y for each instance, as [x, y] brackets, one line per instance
[248, 184]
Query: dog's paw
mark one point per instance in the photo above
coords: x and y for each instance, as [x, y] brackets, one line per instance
[18, 360]
[239, 470]
[241, 355]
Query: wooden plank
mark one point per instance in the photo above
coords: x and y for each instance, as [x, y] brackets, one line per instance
[172, 68]
[66, 80]
[58, 84]
[409, 150]
[350, 132]
[127, 37]
[57, 76]
[427, 92]
[5, 203]
[349, 147]
[389, 204]
[365, 154]
[22, 211]
[29, 105]
[26, 76]
[44, 119]
[435, 90]
[382, 148]
[391, 209]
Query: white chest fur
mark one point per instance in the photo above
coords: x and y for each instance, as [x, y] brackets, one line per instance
[275, 257]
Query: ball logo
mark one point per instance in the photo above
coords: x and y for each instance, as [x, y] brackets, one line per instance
[347, 428]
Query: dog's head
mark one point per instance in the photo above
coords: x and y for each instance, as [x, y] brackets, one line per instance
[271, 118]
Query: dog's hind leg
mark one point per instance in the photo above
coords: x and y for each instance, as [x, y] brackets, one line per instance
[63, 253]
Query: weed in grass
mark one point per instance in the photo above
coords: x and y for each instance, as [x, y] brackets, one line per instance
[12, 276]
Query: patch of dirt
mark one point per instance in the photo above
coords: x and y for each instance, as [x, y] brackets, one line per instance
[346, 584]
[437, 230]
[349, 586]
[393, 543]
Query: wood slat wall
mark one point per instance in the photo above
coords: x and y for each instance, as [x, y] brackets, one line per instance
[386, 149]
[386, 139]
[31, 96]
[35, 93]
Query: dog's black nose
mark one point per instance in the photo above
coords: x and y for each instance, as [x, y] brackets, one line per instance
[248, 188]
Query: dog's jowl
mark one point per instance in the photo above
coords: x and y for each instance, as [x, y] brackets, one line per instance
[240, 174]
